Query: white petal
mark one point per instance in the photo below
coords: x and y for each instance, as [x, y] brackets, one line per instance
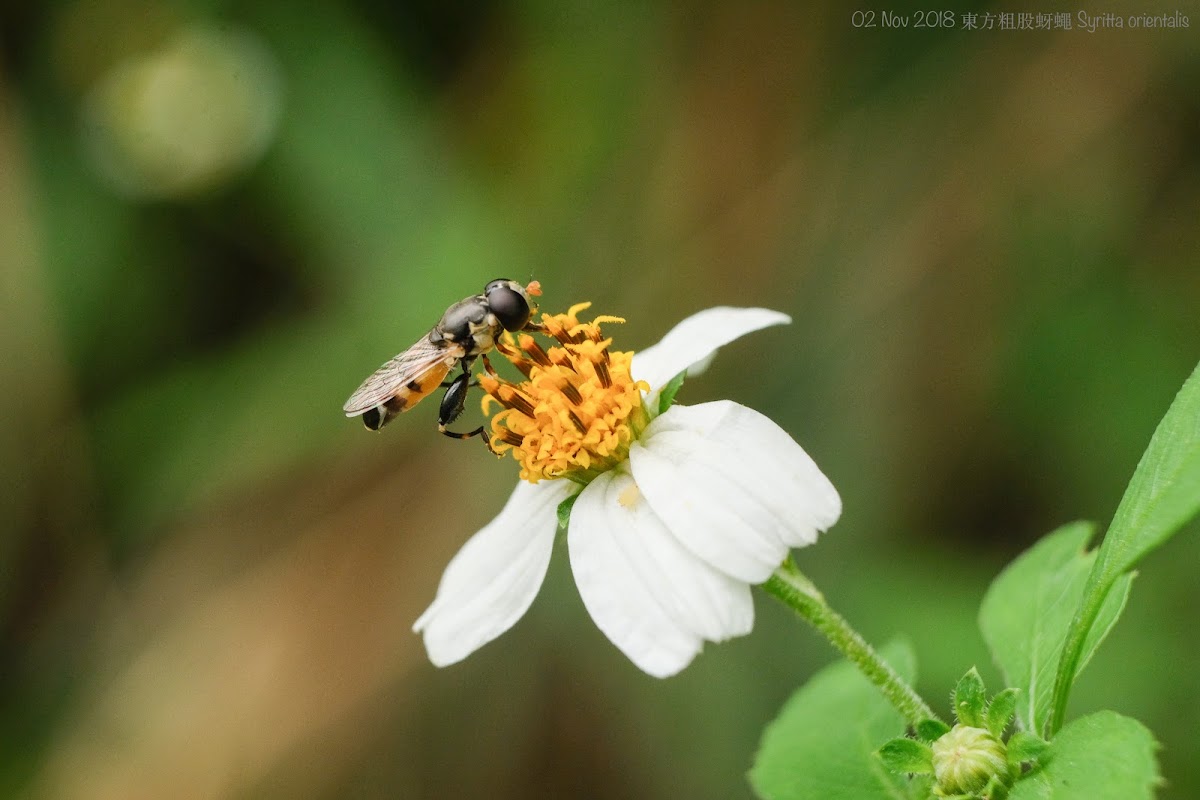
[642, 586]
[637, 582]
[694, 341]
[732, 486]
[492, 580]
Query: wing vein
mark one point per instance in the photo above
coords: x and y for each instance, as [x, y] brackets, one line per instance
[393, 376]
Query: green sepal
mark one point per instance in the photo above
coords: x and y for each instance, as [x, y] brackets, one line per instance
[996, 789]
[667, 395]
[1000, 711]
[906, 757]
[931, 730]
[970, 699]
[564, 511]
[1025, 748]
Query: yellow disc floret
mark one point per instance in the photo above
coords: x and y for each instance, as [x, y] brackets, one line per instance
[578, 409]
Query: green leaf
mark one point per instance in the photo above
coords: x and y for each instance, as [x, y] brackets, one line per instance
[1164, 492]
[1000, 712]
[1028, 609]
[932, 729]
[667, 396]
[907, 756]
[564, 511]
[970, 699]
[1162, 496]
[1025, 747]
[1104, 756]
[823, 742]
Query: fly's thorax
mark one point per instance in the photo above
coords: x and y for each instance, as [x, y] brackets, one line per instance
[462, 318]
[481, 337]
[471, 323]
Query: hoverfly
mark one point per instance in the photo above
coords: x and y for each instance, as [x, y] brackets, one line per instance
[469, 329]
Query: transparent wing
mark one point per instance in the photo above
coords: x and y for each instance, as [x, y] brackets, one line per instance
[410, 365]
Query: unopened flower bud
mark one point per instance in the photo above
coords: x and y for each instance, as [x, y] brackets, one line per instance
[966, 758]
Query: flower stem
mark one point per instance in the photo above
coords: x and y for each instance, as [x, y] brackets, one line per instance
[797, 592]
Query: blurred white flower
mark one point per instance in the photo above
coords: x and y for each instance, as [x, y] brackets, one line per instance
[675, 514]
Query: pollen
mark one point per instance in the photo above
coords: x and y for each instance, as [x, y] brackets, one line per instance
[578, 409]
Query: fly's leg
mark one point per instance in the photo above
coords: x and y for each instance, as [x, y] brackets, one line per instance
[449, 384]
[453, 402]
[470, 435]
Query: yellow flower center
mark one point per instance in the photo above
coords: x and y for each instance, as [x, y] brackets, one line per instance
[578, 409]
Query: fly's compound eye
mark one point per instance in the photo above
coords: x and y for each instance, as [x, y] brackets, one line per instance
[509, 304]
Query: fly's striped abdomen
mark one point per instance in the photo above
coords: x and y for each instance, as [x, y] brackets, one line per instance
[407, 395]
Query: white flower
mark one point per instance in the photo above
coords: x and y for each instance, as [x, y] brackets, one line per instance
[681, 512]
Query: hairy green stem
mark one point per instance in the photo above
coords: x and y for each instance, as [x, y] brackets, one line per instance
[797, 592]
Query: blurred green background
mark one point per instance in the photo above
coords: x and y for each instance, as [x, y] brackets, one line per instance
[217, 218]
